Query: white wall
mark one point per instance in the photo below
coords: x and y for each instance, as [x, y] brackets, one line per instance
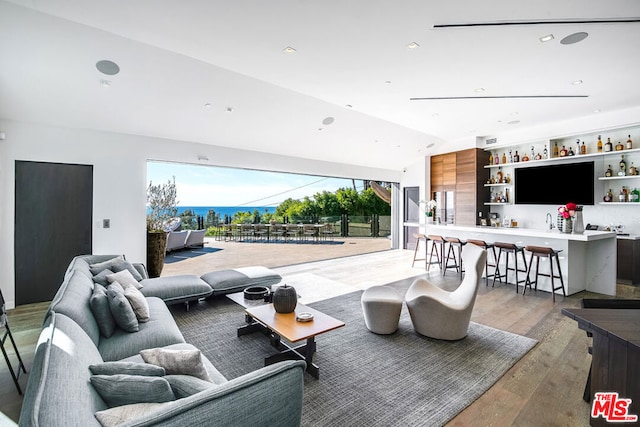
[119, 177]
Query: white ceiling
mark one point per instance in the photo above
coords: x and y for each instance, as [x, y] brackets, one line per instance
[177, 56]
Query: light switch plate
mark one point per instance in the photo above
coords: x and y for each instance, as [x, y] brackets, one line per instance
[106, 223]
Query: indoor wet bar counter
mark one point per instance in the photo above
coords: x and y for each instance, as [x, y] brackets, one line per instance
[587, 260]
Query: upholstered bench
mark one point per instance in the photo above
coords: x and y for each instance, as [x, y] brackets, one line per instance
[176, 289]
[381, 306]
[237, 279]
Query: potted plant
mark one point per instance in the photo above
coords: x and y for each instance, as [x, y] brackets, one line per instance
[162, 206]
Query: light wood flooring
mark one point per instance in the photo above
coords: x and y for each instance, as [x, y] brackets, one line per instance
[544, 388]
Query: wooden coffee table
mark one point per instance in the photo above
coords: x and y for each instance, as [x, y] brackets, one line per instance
[275, 325]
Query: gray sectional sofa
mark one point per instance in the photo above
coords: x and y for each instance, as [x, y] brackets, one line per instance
[60, 391]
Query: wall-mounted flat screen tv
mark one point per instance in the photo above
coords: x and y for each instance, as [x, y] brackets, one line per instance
[555, 184]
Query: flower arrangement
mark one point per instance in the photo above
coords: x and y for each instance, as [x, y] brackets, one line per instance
[431, 206]
[568, 211]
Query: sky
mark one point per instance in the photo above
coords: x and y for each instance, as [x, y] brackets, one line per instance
[217, 186]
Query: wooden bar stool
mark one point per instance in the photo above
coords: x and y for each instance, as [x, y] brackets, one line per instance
[436, 242]
[510, 248]
[491, 249]
[418, 237]
[454, 243]
[551, 254]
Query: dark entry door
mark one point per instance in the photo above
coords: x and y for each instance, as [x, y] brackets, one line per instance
[54, 210]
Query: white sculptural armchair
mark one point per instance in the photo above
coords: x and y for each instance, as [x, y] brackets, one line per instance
[445, 315]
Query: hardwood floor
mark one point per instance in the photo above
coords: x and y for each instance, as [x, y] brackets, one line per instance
[544, 388]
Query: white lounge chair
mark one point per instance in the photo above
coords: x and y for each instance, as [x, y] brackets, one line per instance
[195, 238]
[176, 240]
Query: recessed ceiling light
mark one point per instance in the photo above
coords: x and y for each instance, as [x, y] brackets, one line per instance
[107, 67]
[513, 122]
[387, 82]
[229, 109]
[479, 89]
[105, 83]
[576, 82]
[413, 45]
[327, 121]
[208, 105]
[546, 38]
[574, 38]
[349, 106]
[288, 49]
[431, 145]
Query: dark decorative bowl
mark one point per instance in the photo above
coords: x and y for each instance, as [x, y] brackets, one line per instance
[254, 293]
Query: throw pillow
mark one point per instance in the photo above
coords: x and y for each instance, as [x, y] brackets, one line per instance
[118, 390]
[126, 265]
[123, 414]
[124, 278]
[101, 277]
[180, 362]
[101, 309]
[98, 267]
[138, 303]
[186, 385]
[122, 312]
[128, 368]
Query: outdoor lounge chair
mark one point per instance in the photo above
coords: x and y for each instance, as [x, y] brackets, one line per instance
[176, 240]
[195, 238]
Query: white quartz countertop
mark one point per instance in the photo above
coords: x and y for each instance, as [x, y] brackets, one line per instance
[632, 237]
[586, 236]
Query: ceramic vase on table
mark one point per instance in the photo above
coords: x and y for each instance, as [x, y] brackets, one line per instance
[578, 223]
[285, 299]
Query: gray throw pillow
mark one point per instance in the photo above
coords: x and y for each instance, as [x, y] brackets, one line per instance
[99, 266]
[186, 385]
[101, 309]
[124, 414]
[127, 368]
[122, 312]
[138, 303]
[101, 277]
[124, 278]
[117, 390]
[177, 362]
[126, 265]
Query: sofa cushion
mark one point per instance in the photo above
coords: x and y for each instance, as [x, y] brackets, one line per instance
[127, 368]
[101, 278]
[237, 279]
[138, 303]
[215, 375]
[121, 309]
[187, 385]
[97, 267]
[72, 300]
[161, 330]
[119, 266]
[176, 289]
[101, 310]
[59, 371]
[125, 279]
[123, 414]
[121, 389]
[181, 362]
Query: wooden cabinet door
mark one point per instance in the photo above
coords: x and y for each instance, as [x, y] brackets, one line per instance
[436, 173]
[449, 166]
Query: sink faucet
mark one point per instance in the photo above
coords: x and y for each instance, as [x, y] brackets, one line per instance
[549, 220]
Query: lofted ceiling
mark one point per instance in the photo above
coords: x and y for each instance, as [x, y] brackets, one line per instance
[218, 72]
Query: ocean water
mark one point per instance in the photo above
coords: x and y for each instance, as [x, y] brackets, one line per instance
[225, 210]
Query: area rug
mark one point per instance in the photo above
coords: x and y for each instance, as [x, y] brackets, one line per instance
[402, 379]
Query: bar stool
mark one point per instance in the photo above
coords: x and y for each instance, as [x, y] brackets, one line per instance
[491, 249]
[436, 242]
[539, 252]
[454, 243]
[510, 248]
[418, 237]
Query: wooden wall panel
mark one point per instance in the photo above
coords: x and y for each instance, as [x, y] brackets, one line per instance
[449, 167]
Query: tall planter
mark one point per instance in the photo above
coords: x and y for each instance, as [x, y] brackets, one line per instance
[156, 247]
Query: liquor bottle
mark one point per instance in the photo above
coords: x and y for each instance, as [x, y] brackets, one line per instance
[625, 191]
[510, 157]
[524, 158]
[629, 143]
[623, 167]
[533, 154]
[555, 150]
[545, 153]
[621, 196]
[619, 146]
[496, 159]
[608, 197]
[608, 146]
[516, 157]
[578, 151]
[499, 176]
[599, 143]
[608, 172]
[633, 170]
[490, 158]
[571, 153]
[506, 195]
[583, 148]
[563, 152]
[636, 195]
[504, 158]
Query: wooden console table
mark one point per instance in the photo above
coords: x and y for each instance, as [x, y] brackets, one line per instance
[616, 352]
